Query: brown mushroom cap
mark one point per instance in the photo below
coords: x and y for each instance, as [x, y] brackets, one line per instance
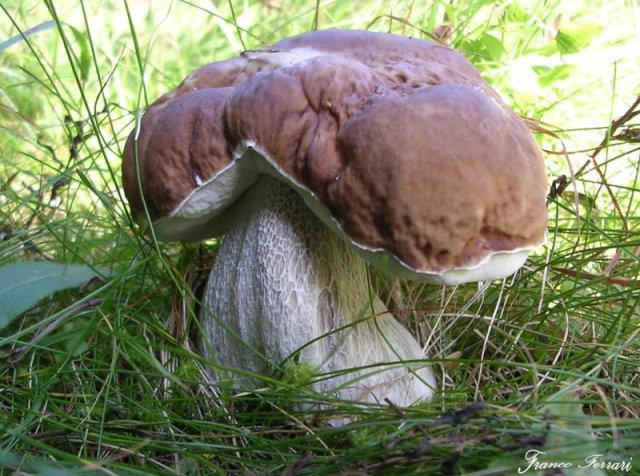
[396, 143]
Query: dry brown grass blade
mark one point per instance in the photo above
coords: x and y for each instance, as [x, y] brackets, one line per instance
[560, 184]
[406, 23]
[626, 282]
[624, 136]
[629, 114]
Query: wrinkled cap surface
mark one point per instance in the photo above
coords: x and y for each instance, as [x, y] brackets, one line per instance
[396, 143]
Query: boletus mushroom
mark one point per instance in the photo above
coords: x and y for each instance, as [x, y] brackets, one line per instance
[316, 156]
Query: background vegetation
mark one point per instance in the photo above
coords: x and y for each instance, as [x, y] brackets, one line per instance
[104, 377]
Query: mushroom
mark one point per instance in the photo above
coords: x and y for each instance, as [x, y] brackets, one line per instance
[316, 156]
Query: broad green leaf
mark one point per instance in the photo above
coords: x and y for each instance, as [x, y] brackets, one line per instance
[548, 75]
[22, 285]
[34, 465]
[487, 47]
[515, 13]
[566, 43]
[84, 61]
[561, 439]
[576, 38]
[569, 435]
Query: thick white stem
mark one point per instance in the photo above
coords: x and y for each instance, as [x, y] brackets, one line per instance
[282, 279]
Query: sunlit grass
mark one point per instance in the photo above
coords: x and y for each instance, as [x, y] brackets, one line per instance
[554, 352]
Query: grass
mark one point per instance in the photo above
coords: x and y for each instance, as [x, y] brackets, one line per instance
[546, 360]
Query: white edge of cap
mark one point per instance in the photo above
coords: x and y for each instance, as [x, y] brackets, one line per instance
[200, 214]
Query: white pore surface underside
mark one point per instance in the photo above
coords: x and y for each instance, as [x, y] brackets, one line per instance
[283, 283]
[208, 211]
